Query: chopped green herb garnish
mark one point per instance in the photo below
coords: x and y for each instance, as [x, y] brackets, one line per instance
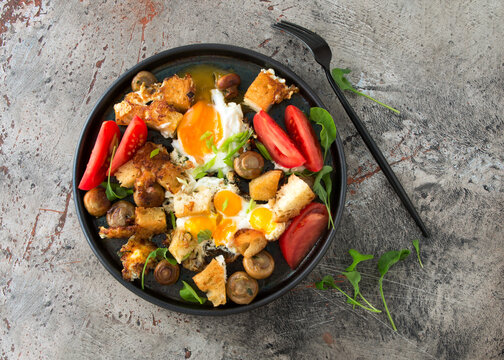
[225, 204]
[201, 171]
[159, 252]
[417, 248]
[339, 77]
[209, 142]
[188, 294]
[186, 256]
[262, 149]
[154, 153]
[112, 190]
[384, 263]
[214, 149]
[205, 135]
[328, 132]
[204, 235]
[240, 140]
[173, 221]
[324, 193]
[220, 174]
[251, 205]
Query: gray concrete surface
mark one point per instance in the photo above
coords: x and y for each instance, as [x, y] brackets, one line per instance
[440, 62]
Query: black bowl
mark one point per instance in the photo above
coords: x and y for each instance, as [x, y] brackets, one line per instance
[247, 63]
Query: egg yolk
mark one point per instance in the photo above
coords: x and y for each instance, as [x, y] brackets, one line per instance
[262, 219]
[200, 127]
[224, 231]
[196, 224]
[227, 203]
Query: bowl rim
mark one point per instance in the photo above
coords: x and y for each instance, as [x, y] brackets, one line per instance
[184, 52]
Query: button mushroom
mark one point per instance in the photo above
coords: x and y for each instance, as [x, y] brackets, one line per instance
[241, 288]
[249, 242]
[166, 273]
[259, 266]
[229, 85]
[143, 77]
[249, 165]
[122, 213]
[149, 196]
[96, 202]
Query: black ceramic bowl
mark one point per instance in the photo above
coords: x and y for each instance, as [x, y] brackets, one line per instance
[247, 64]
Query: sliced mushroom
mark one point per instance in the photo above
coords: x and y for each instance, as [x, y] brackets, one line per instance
[259, 266]
[249, 165]
[249, 242]
[241, 288]
[143, 77]
[166, 273]
[122, 213]
[96, 202]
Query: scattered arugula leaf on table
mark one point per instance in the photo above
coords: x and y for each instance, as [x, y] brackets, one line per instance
[417, 248]
[328, 132]
[384, 263]
[357, 258]
[188, 294]
[159, 252]
[339, 77]
[324, 193]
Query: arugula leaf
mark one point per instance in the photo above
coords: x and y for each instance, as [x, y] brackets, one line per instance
[173, 221]
[324, 193]
[159, 252]
[384, 263]
[201, 171]
[251, 205]
[339, 77]
[204, 235]
[112, 190]
[188, 294]
[417, 248]
[328, 132]
[262, 149]
[354, 278]
[357, 258]
[154, 152]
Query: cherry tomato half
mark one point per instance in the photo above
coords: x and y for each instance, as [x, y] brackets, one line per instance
[279, 145]
[303, 232]
[134, 138]
[303, 135]
[97, 166]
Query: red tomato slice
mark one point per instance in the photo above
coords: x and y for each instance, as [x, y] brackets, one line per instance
[303, 135]
[97, 166]
[134, 138]
[279, 145]
[302, 233]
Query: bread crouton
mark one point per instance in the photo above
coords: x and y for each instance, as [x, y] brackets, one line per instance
[212, 281]
[291, 199]
[197, 203]
[178, 92]
[266, 90]
[127, 174]
[265, 186]
[134, 254]
[182, 244]
[151, 219]
[119, 232]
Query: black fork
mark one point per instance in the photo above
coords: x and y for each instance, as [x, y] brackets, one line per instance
[322, 53]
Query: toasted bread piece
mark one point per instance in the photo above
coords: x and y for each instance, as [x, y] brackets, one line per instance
[151, 219]
[119, 232]
[159, 115]
[265, 186]
[178, 92]
[266, 90]
[197, 203]
[291, 199]
[182, 244]
[127, 174]
[135, 252]
[212, 281]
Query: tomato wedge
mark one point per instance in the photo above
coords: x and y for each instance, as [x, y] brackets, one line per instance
[134, 138]
[302, 133]
[97, 166]
[302, 233]
[279, 145]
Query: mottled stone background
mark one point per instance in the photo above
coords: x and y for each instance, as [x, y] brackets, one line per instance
[440, 62]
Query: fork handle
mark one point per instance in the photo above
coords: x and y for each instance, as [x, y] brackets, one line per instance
[377, 154]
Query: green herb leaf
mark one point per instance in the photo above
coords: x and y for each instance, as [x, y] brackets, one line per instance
[209, 142]
[251, 205]
[173, 220]
[114, 191]
[417, 248]
[204, 235]
[328, 132]
[188, 294]
[186, 256]
[357, 258]
[159, 252]
[201, 171]
[324, 193]
[262, 149]
[220, 174]
[205, 135]
[384, 263]
[339, 77]
[225, 204]
[239, 139]
[154, 152]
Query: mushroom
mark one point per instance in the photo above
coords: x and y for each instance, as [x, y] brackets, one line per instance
[249, 165]
[241, 288]
[149, 196]
[96, 202]
[249, 241]
[143, 77]
[229, 85]
[259, 266]
[122, 213]
[166, 273]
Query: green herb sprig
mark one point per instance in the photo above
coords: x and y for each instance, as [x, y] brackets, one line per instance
[328, 132]
[324, 191]
[201, 171]
[188, 294]
[204, 235]
[158, 253]
[112, 190]
[262, 149]
[416, 245]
